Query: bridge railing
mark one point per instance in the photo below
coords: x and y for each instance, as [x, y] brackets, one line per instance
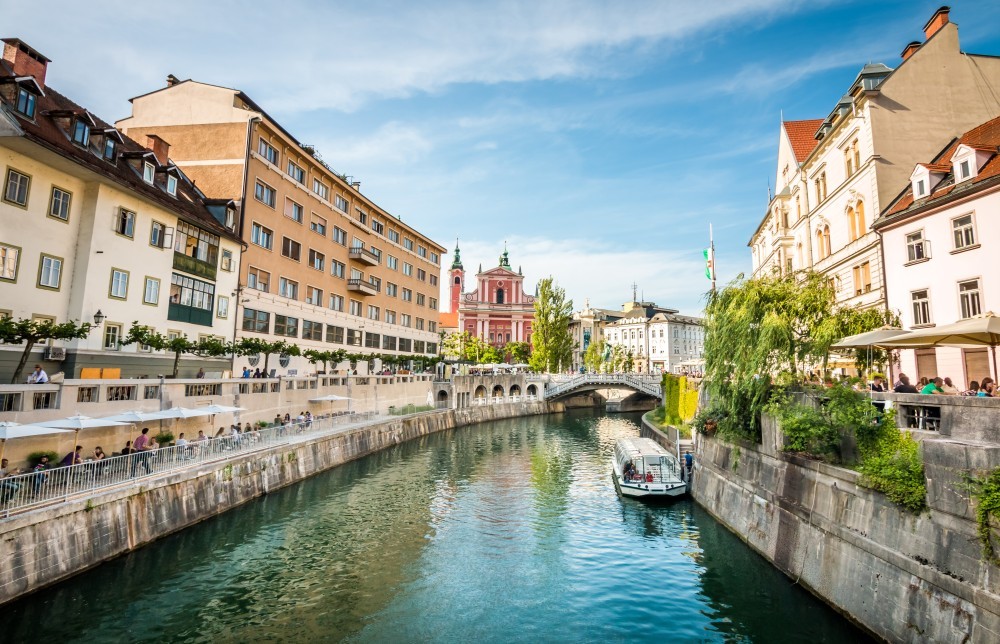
[647, 384]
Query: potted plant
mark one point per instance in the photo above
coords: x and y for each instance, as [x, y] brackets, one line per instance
[165, 438]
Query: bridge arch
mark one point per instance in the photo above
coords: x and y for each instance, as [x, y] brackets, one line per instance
[515, 390]
[532, 390]
[498, 391]
[480, 391]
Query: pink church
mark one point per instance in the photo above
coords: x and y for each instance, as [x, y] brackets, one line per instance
[497, 310]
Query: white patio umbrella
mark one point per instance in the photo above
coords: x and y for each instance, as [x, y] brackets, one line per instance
[184, 412]
[137, 416]
[221, 409]
[79, 421]
[9, 429]
[331, 398]
[980, 331]
[871, 339]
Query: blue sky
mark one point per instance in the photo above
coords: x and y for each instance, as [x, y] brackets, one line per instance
[599, 139]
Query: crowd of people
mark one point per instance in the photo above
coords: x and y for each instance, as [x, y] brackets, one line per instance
[986, 388]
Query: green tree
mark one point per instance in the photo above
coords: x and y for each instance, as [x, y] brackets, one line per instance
[552, 344]
[258, 346]
[325, 357]
[31, 332]
[179, 345]
[519, 352]
[593, 357]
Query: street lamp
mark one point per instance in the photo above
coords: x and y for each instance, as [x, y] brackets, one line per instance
[99, 317]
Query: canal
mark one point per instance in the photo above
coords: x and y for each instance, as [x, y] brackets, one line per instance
[504, 532]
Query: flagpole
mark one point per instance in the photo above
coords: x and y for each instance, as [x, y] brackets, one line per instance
[711, 246]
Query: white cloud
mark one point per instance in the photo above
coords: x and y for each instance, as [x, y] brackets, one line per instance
[392, 142]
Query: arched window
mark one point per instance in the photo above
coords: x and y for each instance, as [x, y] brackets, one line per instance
[859, 214]
[820, 245]
[826, 239]
[458, 280]
[499, 296]
[852, 232]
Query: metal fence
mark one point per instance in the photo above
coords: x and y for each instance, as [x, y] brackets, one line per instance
[56, 484]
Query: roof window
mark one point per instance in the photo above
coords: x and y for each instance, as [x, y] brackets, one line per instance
[148, 171]
[25, 104]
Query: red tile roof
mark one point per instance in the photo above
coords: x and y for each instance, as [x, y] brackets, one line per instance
[802, 135]
[985, 137]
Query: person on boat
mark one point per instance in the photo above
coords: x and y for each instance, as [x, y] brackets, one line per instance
[629, 471]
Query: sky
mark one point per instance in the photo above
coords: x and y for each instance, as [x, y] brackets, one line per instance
[598, 140]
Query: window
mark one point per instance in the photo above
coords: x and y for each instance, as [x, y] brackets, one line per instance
[222, 309]
[965, 233]
[112, 337]
[340, 236]
[862, 278]
[294, 210]
[258, 280]
[335, 334]
[389, 342]
[148, 172]
[171, 185]
[420, 324]
[355, 308]
[340, 203]
[968, 297]
[407, 243]
[921, 188]
[228, 264]
[337, 268]
[197, 243]
[125, 223]
[420, 299]
[362, 216]
[296, 173]
[407, 269]
[262, 236]
[25, 103]
[915, 248]
[390, 316]
[151, 291]
[391, 262]
[49, 272]
[433, 303]
[434, 280]
[267, 151]
[407, 295]
[157, 235]
[81, 133]
[372, 340]
[286, 326]
[312, 330]
[317, 224]
[435, 258]
[314, 296]
[321, 189]
[421, 275]
[378, 226]
[373, 312]
[356, 274]
[405, 345]
[354, 337]
[393, 236]
[377, 253]
[187, 291]
[119, 284]
[391, 289]
[59, 204]
[964, 169]
[291, 248]
[337, 302]
[257, 321]
[404, 320]
[422, 251]
[264, 194]
[288, 288]
[109, 149]
[9, 256]
[317, 260]
[433, 327]
[16, 188]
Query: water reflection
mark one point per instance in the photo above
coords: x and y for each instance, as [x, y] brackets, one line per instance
[509, 531]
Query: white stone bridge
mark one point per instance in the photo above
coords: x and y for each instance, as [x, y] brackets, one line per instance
[641, 383]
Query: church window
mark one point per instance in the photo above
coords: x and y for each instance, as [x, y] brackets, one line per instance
[458, 280]
[499, 296]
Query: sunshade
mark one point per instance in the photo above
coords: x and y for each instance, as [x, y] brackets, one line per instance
[80, 421]
[869, 338]
[9, 430]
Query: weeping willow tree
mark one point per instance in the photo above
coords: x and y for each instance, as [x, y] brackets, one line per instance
[769, 326]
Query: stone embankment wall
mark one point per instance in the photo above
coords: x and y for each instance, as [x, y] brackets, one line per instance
[42, 547]
[903, 577]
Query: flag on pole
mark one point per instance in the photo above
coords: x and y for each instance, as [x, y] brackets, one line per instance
[710, 263]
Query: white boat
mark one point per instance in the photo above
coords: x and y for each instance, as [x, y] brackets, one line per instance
[641, 467]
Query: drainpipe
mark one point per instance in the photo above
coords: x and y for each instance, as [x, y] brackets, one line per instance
[243, 244]
[885, 297]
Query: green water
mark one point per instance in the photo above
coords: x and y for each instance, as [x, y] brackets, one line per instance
[503, 532]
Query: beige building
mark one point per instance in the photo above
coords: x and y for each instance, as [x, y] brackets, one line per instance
[836, 174]
[324, 267]
[96, 227]
[587, 327]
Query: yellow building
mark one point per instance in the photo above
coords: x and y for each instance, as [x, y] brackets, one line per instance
[324, 266]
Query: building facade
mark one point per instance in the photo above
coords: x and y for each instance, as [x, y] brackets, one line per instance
[587, 327]
[660, 340]
[937, 238]
[497, 309]
[97, 227]
[835, 174]
[324, 266]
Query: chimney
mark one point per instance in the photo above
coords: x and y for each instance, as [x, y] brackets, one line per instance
[172, 80]
[356, 185]
[24, 60]
[909, 49]
[160, 148]
[938, 20]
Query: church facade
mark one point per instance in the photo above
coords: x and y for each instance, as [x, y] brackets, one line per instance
[497, 309]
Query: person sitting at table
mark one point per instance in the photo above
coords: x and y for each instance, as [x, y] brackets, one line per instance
[127, 449]
[183, 446]
[973, 389]
[40, 473]
[201, 436]
[8, 486]
[949, 388]
[877, 384]
[904, 386]
[988, 386]
[73, 458]
[933, 387]
[99, 454]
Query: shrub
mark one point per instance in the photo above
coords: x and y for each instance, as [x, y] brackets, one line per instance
[896, 469]
[808, 430]
[35, 458]
[165, 437]
[708, 420]
[986, 492]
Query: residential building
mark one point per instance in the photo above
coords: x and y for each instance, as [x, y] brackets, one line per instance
[658, 339]
[834, 174]
[324, 266]
[497, 310]
[587, 328]
[938, 237]
[97, 227]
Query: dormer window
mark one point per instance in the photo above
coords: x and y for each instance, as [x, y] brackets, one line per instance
[172, 185]
[148, 171]
[81, 133]
[964, 170]
[109, 149]
[919, 189]
[25, 103]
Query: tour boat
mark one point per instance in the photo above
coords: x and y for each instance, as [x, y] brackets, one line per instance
[641, 467]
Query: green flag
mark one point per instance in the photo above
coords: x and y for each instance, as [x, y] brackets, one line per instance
[709, 254]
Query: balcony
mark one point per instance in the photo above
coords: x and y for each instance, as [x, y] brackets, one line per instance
[194, 266]
[190, 314]
[364, 256]
[361, 286]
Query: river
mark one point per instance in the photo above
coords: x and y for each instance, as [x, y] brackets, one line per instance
[504, 532]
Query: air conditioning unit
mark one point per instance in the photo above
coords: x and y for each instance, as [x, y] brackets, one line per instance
[55, 353]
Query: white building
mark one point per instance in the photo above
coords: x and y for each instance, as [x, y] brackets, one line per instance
[658, 339]
[99, 228]
[835, 174]
[938, 238]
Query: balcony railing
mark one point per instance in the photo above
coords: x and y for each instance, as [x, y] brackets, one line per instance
[364, 256]
[191, 314]
[361, 286]
[194, 266]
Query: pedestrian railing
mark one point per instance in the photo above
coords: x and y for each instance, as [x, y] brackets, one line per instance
[23, 492]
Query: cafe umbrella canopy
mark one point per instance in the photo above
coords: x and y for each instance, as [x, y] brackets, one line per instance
[10, 430]
[980, 331]
[871, 340]
[79, 421]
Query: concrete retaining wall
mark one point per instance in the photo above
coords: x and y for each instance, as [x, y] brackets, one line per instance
[45, 546]
[904, 577]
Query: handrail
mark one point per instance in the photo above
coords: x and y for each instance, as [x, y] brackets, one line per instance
[646, 384]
